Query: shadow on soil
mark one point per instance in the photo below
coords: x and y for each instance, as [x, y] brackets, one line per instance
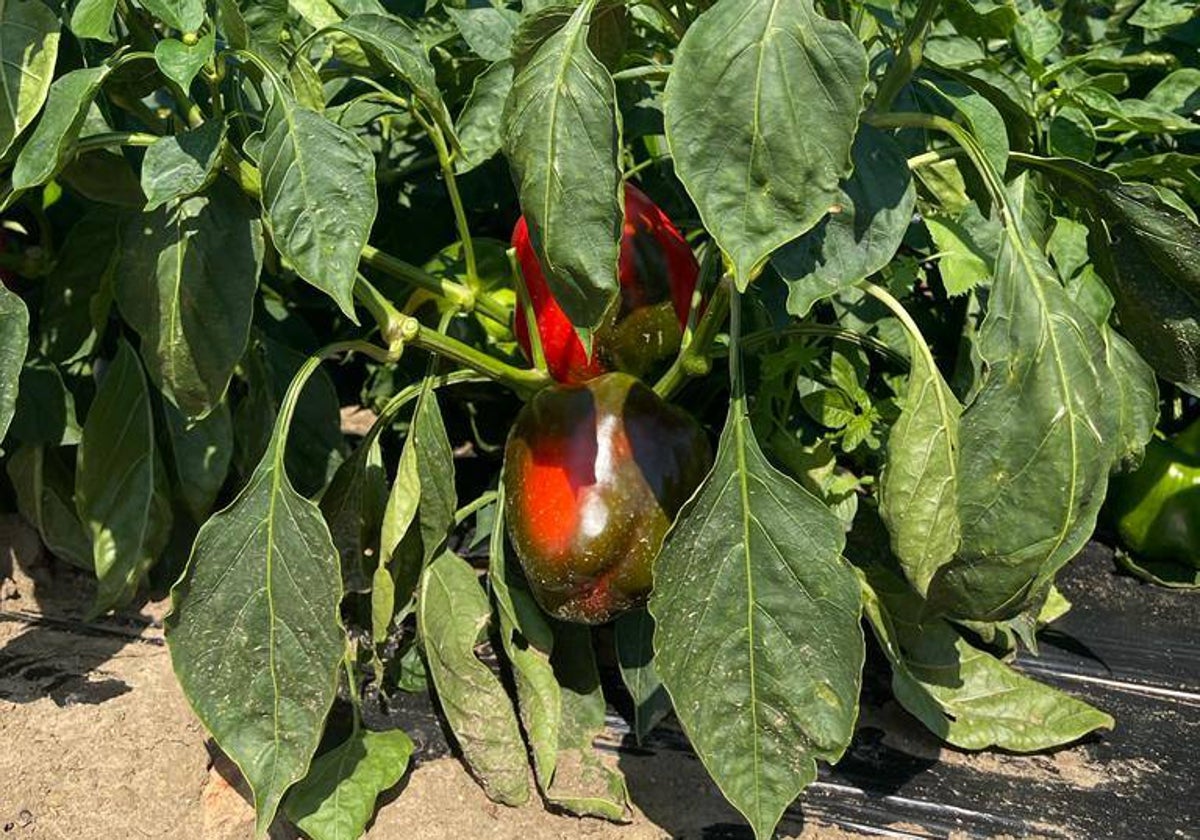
[58, 654]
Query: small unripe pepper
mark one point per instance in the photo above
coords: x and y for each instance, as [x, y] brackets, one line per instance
[657, 275]
[1157, 508]
[593, 477]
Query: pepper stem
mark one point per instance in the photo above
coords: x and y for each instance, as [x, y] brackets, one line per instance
[694, 357]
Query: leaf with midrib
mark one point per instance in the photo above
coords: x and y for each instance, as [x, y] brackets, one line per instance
[757, 637]
[861, 235]
[562, 141]
[634, 634]
[44, 487]
[186, 280]
[318, 192]
[14, 342]
[392, 42]
[918, 489]
[28, 50]
[761, 110]
[480, 124]
[1148, 252]
[562, 709]
[201, 451]
[336, 800]
[963, 695]
[46, 150]
[452, 615]
[255, 633]
[121, 489]
[1037, 443]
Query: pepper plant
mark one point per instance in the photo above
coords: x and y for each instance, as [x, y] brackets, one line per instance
[946, 278]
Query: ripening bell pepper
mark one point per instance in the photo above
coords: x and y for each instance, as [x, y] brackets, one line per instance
[1157, 508]
[593, 477]
[657, 273]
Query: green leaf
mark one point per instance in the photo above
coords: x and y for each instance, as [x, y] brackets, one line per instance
[966, 248]
[184, 15]
[562, 141]
[94, 19]
[1164, 14]
[121, 489]
[77, 293]
[965, 696]
[1072, 134]
[1037, 35]
[481, 123]
[336, 800]
[582, 784]
[918, 490]
[863, 232]
[179, 62]
[757, 629]
[452, 616]
[182, 164]
[186, 282]
[14, 343]
[45, 489]
[423, 492]
[1148, 252]
[761, 111]
[390, 41]
[202, 450]
[315, 443]
[45, 408]
[353, 506]
[28, 51]
[255, 634]
[1029, 491]
[487, 30]
[46, 150]
[1161, 572]
[318, 191]
[1179, 91]
[634, 633]
[981, 118]
[983, 18]
[558, 693]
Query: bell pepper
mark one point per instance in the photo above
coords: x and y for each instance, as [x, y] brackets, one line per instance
[657, 273]
[593, 476]
[1157, 508]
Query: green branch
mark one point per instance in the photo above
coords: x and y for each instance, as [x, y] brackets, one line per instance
[908, 59]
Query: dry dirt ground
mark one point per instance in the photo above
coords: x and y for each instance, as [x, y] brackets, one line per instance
[97, 742]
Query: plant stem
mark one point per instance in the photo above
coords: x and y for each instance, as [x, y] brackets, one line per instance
[964, 138]
[646, 71]
[694, 357]
[935, 156]
[386, 315]
[355, 700]
[896, 308]
[458, 294]
[668, 16]
[825, 331]
[113, 138]
[446, 161]
[524, 382]
[467, 511]
[526, 303]
[908, 59]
